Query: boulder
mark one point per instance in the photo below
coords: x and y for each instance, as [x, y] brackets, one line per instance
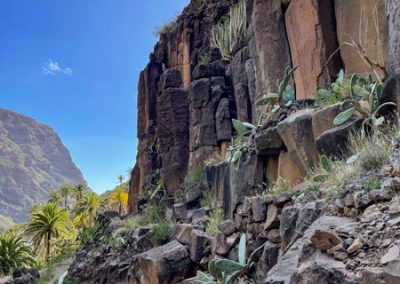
[285, 269]
[322, 119]
[221, 245]
[180, 211]
[288, 169]
[296, 132]
[391, 265]
[267, 260]
[169, 263]
[272, 218]
[268, 142]
[241, 181]
[372, 275]
[227, 227]
[325, 240]
[198, 244]
[311, 31]
[183, 233]
[333, 142]
[362, 16]
[258, 209]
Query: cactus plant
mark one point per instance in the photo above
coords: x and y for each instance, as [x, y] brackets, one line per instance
[282, 97]
[327, 168]
[230, 29]
[225, 271]
[364, 103]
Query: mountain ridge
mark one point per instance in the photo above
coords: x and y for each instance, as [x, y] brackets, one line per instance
[33, 163]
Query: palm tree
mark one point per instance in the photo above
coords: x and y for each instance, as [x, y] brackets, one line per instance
[118, 198]
[88, 207]
[14, 253]
[79, 190]
[121, 179]
[56, 197]
[65, 190]
[47, 223]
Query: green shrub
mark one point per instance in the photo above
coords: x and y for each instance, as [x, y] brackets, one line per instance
[203, 59]
[151, 215]
[208, 199]
[195, 178]
[161, 233]
[216, 218]
[372, 183]
[280, 186]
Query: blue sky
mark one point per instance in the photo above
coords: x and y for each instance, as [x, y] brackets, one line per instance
[74, 65]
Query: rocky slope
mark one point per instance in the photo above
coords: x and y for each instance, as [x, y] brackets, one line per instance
[33, 163]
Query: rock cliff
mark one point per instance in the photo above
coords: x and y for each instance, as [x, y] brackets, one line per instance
[188, 93]
[33, 163]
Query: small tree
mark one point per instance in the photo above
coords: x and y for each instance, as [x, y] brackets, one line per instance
[47, 223]
[118, 198]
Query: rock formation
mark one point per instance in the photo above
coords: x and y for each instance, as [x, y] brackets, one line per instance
[33, 163]
[188, 93]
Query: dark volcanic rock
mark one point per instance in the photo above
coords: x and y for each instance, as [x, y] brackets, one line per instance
[33, 163]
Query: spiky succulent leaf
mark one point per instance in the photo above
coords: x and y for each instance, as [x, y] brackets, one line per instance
[352, 159]
[213, 270]
[320, 178]
[242, 249]
[239, 126]
[202, 278]
[343, 116]
[228, 266]
[249, 125]
[326, 163]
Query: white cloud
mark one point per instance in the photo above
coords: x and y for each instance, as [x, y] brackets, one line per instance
[51, 67]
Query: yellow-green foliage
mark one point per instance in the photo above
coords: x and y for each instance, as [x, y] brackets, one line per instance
[230, 28]
[370, 153]
[280, 186]
[161, 233]
[216, 218]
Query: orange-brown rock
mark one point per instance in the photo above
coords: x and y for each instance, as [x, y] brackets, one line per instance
[288, 170]
[310, 26]
[323, 119]
[365, 22]
[297, 134]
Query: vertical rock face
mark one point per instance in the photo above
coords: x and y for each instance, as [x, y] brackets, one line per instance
[363, 21]
[393, 12]
[269, 47]
[33, 163]
[188, 94]
[310, 26]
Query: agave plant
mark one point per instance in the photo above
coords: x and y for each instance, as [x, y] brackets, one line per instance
[225, 271]
[283, 97]
[237, 146]
[364, 103]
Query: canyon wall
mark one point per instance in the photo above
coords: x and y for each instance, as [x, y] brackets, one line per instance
[188, 93]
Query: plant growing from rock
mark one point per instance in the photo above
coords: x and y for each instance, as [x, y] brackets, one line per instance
[161, 233]
[282, 97]
[226, 271]
[231, 28]
[237, 146]
[364, 103]
[280, 186]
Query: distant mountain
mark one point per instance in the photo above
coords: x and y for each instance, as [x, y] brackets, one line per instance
[33, 163]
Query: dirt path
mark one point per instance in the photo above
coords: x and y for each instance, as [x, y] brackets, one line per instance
[60, 269]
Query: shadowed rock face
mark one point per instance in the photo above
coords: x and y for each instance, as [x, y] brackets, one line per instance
[33, 163]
